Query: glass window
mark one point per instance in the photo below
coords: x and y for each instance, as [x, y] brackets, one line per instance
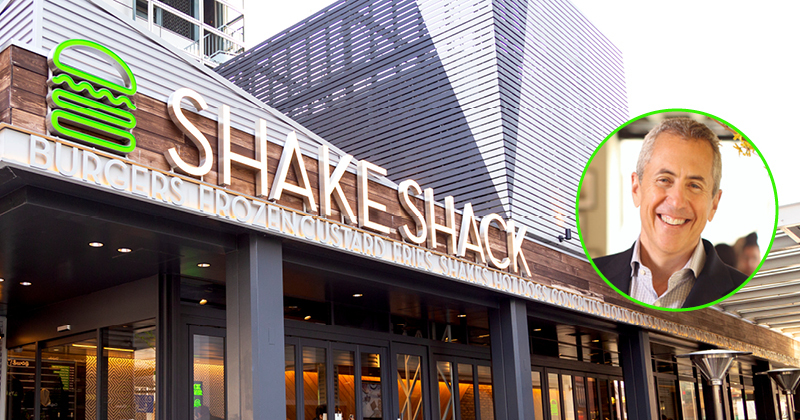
[538, 409]
[409, 386]
[555, 397]
[738, 403]
[447, 404]
[580, 398]
[667, 400]
[291, 389]
[605, 400]
[485, 392]
[208, 377]
[569, 407]
[344, 376]
[466, 391]
[750, 403]
[69, 381]
[616, 400]
[784, 403]
[21, 380]
[131, 355]
[371, 397]
[315, 391]
[688, 403]
[591, 399]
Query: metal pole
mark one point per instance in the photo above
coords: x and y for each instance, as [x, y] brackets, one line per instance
[716, 392]
[790, 397]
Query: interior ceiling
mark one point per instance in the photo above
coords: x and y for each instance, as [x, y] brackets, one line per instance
[772, 297]
[320, 286]
[44, 241]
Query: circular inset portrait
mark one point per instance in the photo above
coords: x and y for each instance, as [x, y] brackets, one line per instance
[677, 209]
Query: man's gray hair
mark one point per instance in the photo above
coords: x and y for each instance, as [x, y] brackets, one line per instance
[689, 129]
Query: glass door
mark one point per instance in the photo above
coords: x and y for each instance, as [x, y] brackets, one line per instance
[410, 373]
[334, 381]
[208, 373]
[464, 389]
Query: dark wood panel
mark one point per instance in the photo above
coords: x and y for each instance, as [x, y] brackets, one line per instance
[5, 76]
[30, 82]
[28, 60]
[30, 102]
[25, 119]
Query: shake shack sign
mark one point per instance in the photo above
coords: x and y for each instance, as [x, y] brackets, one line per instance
[97, 112]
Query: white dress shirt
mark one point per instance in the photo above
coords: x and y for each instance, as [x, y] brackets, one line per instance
[679, 285]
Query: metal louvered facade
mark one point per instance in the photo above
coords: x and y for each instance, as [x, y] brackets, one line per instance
[16, 20]
[496, 102]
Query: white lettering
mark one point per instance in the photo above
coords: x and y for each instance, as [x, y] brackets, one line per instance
[138, 173]
[329, 184]
[469, 230]
[364, 203]
[190, 130]
[408, 205]
[240, 208]
[450, 220]
[206, 199]
[40, 153]
[226, 156]
[75, 164]
[118, 179]
[514, 240]
[291, 157]
[158, 186]
[176, 195]
[222, 204]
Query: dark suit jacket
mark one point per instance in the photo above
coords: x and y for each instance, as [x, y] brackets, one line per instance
[715, 280]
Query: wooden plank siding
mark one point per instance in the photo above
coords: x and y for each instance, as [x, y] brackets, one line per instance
[23, 103]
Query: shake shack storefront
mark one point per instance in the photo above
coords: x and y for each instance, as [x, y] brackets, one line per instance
[172, 248]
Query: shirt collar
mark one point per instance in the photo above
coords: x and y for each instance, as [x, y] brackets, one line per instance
[695, 263]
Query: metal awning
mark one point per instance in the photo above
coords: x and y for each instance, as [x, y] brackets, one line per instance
[772, 297]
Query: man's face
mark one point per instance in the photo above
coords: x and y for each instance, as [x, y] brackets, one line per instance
[674, 196]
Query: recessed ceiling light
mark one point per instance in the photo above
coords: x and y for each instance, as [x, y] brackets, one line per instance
[204, 265]
[595, 341]
[537, 329]
[203, 301]
[2, 279]
[95, 244]
[462, 315]
[25, 283]
[357, 295]
[307, 317]
[124, 250]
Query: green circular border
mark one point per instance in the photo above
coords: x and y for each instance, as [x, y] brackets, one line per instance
[580, 185]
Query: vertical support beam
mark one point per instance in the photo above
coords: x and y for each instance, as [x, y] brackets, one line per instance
[101, 390]
[637, 370]
[255, 344]
[4, 365]
[37, 395]
[511, 360]
[168, 334]
[764, 393]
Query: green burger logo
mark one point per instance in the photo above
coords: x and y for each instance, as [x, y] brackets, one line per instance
[88, 108]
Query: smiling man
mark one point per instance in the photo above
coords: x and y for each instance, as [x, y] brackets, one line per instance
[676, 188]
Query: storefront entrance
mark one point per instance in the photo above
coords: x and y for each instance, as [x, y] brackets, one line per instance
[74, 378]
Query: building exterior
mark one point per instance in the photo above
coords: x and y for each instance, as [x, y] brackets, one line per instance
[486, 101]
[172, 247]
